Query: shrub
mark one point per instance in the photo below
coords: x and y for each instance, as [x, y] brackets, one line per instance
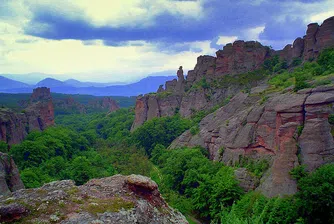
[3, 147]
[194, 130]
[331, 119]
[316, 195]
[298, 172]
[296, 61]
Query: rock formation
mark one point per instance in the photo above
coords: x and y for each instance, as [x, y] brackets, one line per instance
[9, 175]
[240, 57]
[107, 103]
[39, 114]
[187, 96]
[287, 130]
[100, 104]
[116, 199]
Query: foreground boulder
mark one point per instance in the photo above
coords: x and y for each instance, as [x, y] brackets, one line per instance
[116, 199]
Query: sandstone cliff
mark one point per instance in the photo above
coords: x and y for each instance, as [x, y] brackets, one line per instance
[189, 95]
[38, 115]
[281, 129]
[116, 199]
[286, 130]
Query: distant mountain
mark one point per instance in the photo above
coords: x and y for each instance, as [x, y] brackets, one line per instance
[77, 83]
[146, 85]
[32, 78]
[6, 83]
[51, 83]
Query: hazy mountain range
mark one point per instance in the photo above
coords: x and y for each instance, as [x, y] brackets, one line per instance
[72, 86]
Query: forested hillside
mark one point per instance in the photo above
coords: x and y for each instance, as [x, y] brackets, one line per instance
[246, 138]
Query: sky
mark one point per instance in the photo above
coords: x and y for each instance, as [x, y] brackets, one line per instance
[124, 40]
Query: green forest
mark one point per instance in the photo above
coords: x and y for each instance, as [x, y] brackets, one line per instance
[85, 146]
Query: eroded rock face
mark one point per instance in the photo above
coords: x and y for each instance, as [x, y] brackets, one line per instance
[237, 58]
[316, 39]
[106, 103]
[279, 130]
[9, 175]
[39, 114]
[240, 57]
[116, 199]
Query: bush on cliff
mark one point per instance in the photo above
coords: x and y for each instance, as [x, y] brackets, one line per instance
[3, 147]
[309, 75]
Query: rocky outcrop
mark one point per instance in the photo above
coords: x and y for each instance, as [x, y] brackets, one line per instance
[240, 57]
[286, 130]
[9, 175]
[247, 181]
[106, 103]
[237, 58]
[69, 105]
[39, 114]
[316, 39]
[116, 199]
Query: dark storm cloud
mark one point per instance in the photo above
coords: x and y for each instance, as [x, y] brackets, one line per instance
[221, 18]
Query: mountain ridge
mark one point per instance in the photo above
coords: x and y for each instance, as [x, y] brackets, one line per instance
[145, 85]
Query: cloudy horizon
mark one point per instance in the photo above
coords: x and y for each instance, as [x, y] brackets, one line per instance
[122, 41]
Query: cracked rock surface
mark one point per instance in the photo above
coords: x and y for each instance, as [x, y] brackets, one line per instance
[287, 130]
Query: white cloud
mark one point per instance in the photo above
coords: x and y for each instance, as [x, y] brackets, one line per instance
[90, 62]
[253, 33]
[319, 18]
[21, 53]
[223, 40]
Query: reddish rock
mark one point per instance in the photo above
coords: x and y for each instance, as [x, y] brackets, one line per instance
[245, 128]
[106, 103]
[9, 175]
[240, 57]
[39, 115]
[318, 38]
[204, 67]
[141, 109]
[237, 58]
[12, 212]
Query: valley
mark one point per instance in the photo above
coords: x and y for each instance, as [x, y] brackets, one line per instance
[245, 137]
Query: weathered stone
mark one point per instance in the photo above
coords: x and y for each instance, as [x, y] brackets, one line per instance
[246, 180]
[269, 130]
[116, 199]
[9, 175]
[12, 212]
[39, 114]
[141, 109]
[240, 57]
